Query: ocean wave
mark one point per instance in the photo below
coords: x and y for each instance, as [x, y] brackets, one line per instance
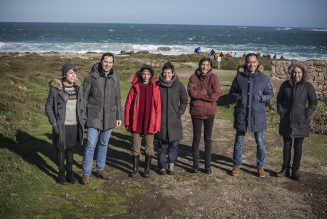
[283, 28]
[316, 29]
[295, 52]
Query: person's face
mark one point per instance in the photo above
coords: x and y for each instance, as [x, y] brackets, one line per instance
[167, 74]
[297, 75]
[107, 63]
[205, 67]
[146, 75]
[252, 63]
[71, 76]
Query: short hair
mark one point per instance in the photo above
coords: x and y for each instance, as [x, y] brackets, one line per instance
[168, 65]
[205, 59]
[251, 54]
[108, 54]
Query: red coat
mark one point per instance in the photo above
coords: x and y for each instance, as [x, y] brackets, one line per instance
[132, 106]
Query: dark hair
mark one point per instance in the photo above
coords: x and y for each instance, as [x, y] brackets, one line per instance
[145, 67]
[108, 54]
[168, 65]
[203, 60]
[251, 54]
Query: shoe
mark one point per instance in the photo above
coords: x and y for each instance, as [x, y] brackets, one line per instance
[86, 179]
[61, 178]
[135, 160]
[284, 172]
[171, 169]
[236, 171]
[295, 175]
[162, 172]
[261, 172]
[208, 171]
[147, 166]
[195, 168]
[102, 174]
[70, 177]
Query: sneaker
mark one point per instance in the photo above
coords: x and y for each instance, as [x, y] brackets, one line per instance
[235, 171]
[171, 169]
[261, 172]
[102, 174]
[162, 171]
[208, 171]
[86, 179]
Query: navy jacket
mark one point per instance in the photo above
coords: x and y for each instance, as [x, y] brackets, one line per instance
[252, 91]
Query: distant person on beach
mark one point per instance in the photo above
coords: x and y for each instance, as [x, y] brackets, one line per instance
[103, 113]
[296, 101]
[252, 90]
[197, 50]
[143, 116]
[212, 54]
[64, 108]
[204, 90]
[173, 105]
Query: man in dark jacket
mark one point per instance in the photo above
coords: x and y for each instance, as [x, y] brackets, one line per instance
[252, 90]
[103, 113]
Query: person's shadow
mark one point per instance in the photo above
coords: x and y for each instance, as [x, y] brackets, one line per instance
[32, 150]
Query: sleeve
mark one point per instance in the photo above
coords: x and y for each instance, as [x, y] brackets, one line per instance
[86, 91]
[280, 99]
[158, 110]
[268, 92]
[235, 90]
[49, 108]
[216, 91]
[128, 105]
[203, 93]
[312, 99]
[118, 103]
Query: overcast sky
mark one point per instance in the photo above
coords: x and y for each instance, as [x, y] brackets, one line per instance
[281, 13]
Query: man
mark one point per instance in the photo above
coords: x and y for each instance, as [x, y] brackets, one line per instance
[103, 113]
[252, 91]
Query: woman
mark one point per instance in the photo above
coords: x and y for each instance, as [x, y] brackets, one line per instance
[64, 108]
[296, 101]
[173, 105]
[143, 116]
[204, 90]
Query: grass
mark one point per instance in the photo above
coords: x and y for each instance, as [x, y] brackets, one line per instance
[27, 159]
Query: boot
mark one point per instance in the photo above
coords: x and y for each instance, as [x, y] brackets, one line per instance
[147, 166]
[195, 164]
[295, 175]
[135, 161]
[285, 171]
[69, 166]
[61, 167]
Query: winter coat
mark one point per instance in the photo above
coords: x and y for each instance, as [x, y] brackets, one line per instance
[132, 106]
[173, 105]
[55, 109]
[251, 91]
[204, 93]
[102, 99]
[295, 104]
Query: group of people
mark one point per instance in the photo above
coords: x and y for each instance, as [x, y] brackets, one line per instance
[153, 111]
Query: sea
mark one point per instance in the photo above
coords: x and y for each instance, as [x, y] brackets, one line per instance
[289, 42]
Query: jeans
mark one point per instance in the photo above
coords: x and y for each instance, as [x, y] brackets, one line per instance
[260, 140]
[96, 137]
[297, 153]
[172, 148]
[197, 126]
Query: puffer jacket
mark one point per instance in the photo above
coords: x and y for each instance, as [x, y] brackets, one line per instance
[102, 99]
[132, 106]
[204, 93]
[251, 91]
[173, 105]
[295, 104]
[55, 109]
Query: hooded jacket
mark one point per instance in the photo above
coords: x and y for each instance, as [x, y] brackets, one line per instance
[251, 91]
[295, 104]
[55, 109]
[102, 99]
[173, 105]
[204, 93]
[132, 106]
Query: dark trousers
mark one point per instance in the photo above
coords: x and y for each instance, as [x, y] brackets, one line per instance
[163, 146]
[297, 153]
[197, 127]
[67, 155]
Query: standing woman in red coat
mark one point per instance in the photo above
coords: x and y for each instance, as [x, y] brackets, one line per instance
[204, 90]
[143, 116]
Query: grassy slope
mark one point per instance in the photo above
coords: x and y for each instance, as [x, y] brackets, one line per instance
[27, 158]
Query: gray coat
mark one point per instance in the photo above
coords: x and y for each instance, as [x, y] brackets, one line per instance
[173, 105]
[252, 92]
[102, 99]
[55, 109]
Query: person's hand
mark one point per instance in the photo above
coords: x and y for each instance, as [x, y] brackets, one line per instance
[128, 129]
[55, 128]
[118, 123]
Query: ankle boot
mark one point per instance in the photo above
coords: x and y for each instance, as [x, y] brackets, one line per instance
[61, 167]
[295, 175]
[147, 166]
[285, 171]
[69, 166]
[195, 164]
[135, 161]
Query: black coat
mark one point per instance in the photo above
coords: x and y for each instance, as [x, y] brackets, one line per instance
[173, 105]
[55, 109]
[102, 99]
[295, 104]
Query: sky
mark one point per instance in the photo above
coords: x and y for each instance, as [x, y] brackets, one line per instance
[279, 13]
